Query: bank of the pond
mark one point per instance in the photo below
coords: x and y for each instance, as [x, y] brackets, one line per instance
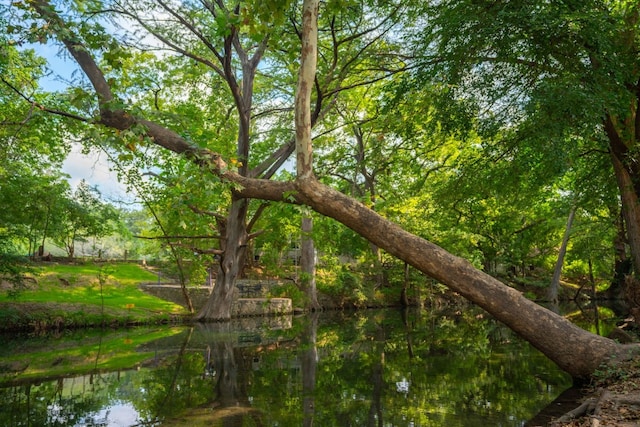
[56, 296]
[51, 316]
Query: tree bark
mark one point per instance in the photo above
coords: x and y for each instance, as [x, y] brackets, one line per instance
[233, 246]
[308, 263]
[306, 78]
[630, 209]
[628, 187]
[304, 147]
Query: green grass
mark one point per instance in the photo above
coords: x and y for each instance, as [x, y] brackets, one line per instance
[123, 273]
[85, 295]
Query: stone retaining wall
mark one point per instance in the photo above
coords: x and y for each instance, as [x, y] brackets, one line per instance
[255, 305]
[244, 307]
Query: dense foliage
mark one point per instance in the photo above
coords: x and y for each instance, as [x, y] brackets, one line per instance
[477, 125]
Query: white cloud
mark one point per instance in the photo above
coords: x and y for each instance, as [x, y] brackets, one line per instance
[95, 170]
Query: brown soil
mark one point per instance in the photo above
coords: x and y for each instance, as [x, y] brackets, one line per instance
[612, 400]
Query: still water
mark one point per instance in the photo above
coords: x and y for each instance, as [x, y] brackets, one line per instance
[371, 368]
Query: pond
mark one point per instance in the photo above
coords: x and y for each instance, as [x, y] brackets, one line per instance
[368, 368]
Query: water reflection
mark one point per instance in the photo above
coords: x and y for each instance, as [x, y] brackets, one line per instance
[375, 368]
[598, 317]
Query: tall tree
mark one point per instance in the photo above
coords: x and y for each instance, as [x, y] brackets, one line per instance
[84, 215]
[303, 139]
[541, 327]
[555, 281]
[35, 204]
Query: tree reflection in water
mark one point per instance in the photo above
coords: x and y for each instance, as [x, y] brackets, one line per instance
[369, 368]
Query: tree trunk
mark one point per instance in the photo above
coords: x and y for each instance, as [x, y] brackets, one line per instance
[630, 210]
[404, 298]
[631, 215]
[308, 263]
[306, 78]
[233, 245]
[622, 266]
[573, 349]
[555, 282]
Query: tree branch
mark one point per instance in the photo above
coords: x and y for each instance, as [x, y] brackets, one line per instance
[257, 216]
[193, 30]
[208, 251]
[213, 214]
[40, 106]
[175, 237]
[174, 47]
[79, 52]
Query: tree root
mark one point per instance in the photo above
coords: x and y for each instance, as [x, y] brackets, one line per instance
[592, 405]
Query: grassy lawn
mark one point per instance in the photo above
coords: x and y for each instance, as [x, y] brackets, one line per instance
[126, 274]
[85, 295]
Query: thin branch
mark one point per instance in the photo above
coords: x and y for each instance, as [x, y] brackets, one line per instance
[175, 237]
[257, 215]
[41, 106]
[256, 234]
[594, 150]
[191, 28]
[213, 214]
[271, 111]
[207, 251]
[367, 82]
[271, 164]
[374, 28]
[174, 47]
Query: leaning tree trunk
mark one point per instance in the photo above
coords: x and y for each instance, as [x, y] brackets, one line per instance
[234, 246]
[555, 282]
[573, 349]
